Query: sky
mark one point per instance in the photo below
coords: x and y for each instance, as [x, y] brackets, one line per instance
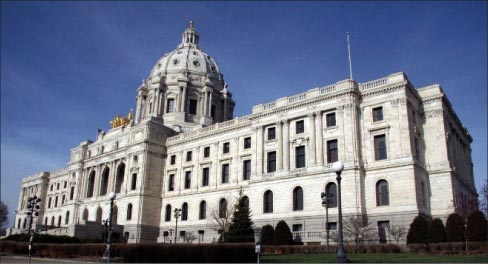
[67, 68]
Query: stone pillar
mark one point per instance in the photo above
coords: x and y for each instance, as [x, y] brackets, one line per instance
[259, 150]
[210, 104]
[279, 153]
[205, 103]
[286, 145]
[311, 149]
[319, 139]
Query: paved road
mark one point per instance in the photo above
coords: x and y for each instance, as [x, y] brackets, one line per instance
[16, 259]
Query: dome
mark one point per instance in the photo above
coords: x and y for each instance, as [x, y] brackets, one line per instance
[187, 60]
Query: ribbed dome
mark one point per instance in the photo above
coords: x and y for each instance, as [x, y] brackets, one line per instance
[187, 58]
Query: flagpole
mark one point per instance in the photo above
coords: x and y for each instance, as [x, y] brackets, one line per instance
[349, 53]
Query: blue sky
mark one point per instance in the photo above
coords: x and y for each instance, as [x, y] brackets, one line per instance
[68, 67]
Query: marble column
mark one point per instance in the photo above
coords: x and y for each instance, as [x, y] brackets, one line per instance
[319, 139]
[279, 153]
[311, 149]
[286, 145]
[259, 150]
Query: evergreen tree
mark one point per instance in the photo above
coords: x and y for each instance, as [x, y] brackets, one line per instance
[437, 231]
[419, 231]
[267, 235]
[477, 227]
[240, 229]
[455, 228]
[282, 234]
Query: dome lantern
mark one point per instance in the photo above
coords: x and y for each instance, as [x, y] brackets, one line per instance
[190, 35]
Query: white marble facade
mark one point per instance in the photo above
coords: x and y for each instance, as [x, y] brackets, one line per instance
[405, 153]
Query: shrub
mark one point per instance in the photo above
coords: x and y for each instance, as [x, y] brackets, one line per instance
[282, 234]
[419, 231]
[455, 228]
[42, 238]
[437, 231]
[477, 227]
[267, 235]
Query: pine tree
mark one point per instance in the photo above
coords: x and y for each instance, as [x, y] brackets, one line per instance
[240, 229]
[437, 231]
[455, 228]
[282, 234]
[419, 231]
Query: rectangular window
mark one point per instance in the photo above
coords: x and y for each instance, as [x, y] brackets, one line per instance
[271, 133]
[300, 156]
[330, 119]
[72, 193]
[378, 114]
[225, 173]
[206, 151]
[332, 151]
[383, 227]
[65, 184]
[247, 142]
[171, 182]
[300, 127]
[188, 156]
[297, 227]
[332, 226]
[226, 148]
[205, 176]
[246, 170]
[170, 105]
[193, 107]
[173, 160]
[187, 179]
[380, 147]
[212, 112]
[271, 162]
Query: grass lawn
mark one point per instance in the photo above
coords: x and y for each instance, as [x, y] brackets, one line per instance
[375, 258]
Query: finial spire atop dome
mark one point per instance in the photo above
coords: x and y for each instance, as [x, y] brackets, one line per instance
[190, 36]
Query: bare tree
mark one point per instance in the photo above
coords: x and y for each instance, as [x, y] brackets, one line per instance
[3, 217]
[358, 228]
[190, 237]
[397, 232]
[484, 198]
[464, 206]
[220, 217]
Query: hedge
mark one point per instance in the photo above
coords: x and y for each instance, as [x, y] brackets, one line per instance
[319, 249]
[142, 253]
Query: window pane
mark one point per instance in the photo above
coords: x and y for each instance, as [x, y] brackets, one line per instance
[247, 142]
[187, 179]
[332, 151]
[331, 119]
[331, 192]
[268, 202]
[382, 193]
[170, 106]
[378, 114]
[271, 133]
[206, 173]
[225, 173]
[193, 106]
[271, 162]
[380, 147]
[300, 156]
[300, 128]
[246, 170]
[297, 199]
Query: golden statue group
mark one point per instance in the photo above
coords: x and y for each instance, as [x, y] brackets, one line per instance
[118, 120]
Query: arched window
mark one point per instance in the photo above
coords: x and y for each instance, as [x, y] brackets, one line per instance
[91, 185]
[268, 202]
[66, 219]
[184, 212]
[382, 196]
[331, 192]
[59, 220]
[245, 200]
[53, 220]
[297, 199]
[85, 215]
[99, 215]
[20, 221]
[129, 211]
[203, 210]
[120, 178]
[45, 221]
[104, 186]
[133, 184]
[167, 215]
[72, 193]
[223, 208]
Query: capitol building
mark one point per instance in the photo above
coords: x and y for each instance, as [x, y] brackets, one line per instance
[405, 153]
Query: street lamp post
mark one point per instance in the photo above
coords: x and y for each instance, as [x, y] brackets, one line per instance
[171, 235]
[109, 235]
[257, 239]
[341, 254]
[177, 215]
[32, 210]
[325, 203]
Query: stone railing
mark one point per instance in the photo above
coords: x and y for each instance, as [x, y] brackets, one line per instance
[59, 172]
[391, 79]
[375, 83]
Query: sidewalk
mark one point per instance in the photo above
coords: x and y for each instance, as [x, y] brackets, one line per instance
[22, 259]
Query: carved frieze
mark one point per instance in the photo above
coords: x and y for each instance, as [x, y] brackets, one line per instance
[299, 141]
[433, 113]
